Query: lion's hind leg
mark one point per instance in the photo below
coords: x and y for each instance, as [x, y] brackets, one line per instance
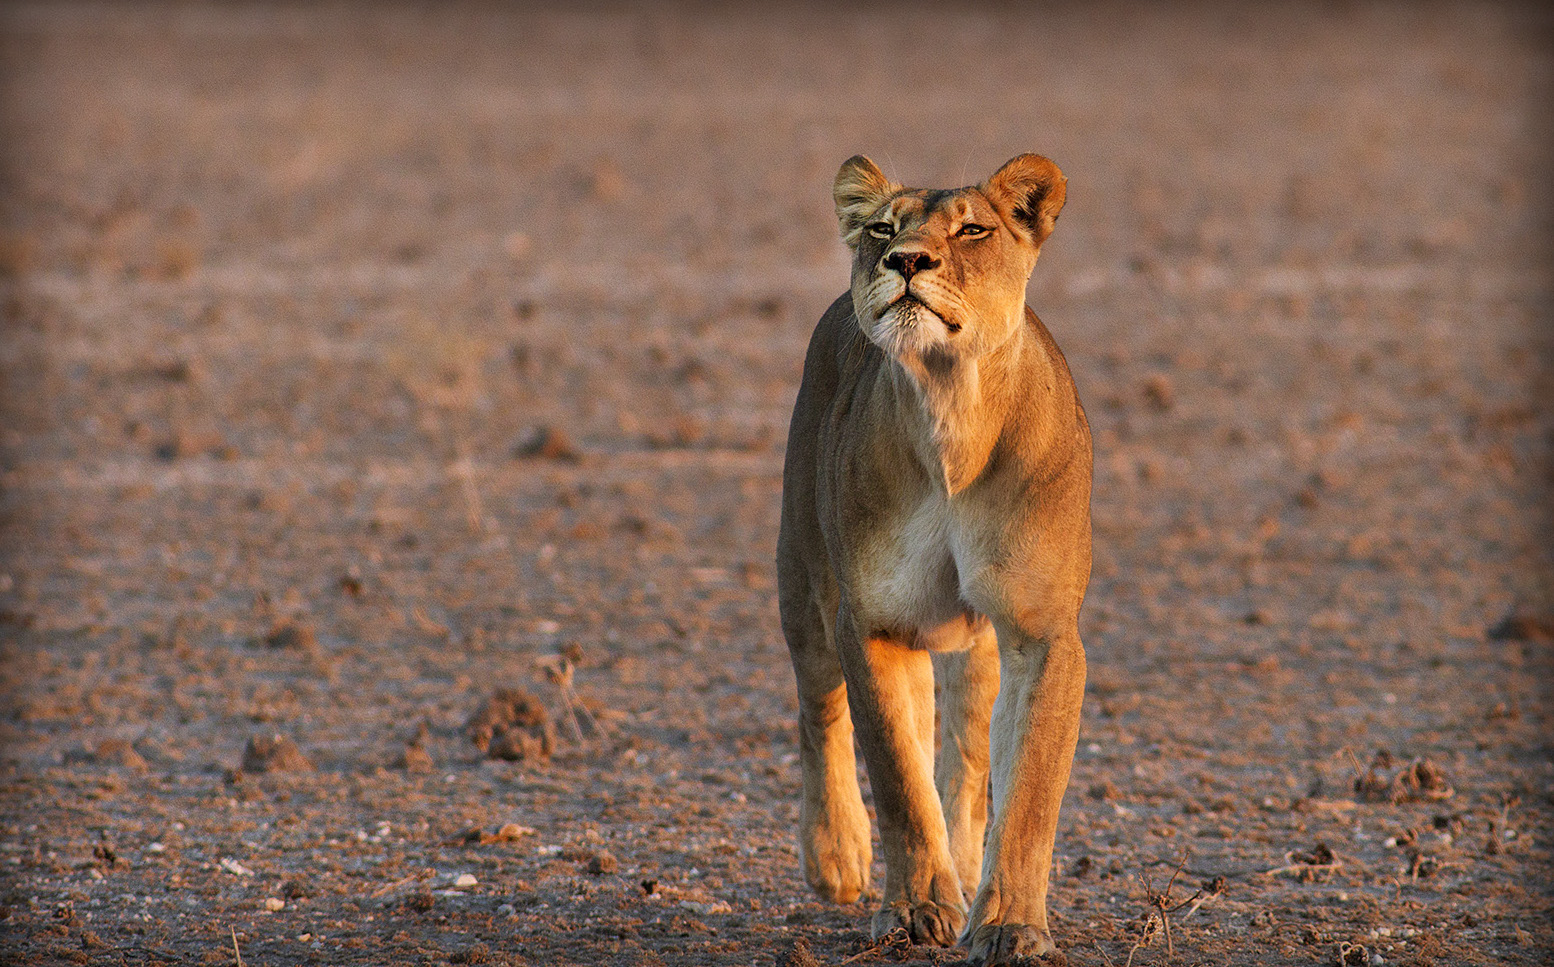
[833, 825]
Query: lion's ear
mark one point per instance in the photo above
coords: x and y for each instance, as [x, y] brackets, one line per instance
[1031, 190]
[860, 189]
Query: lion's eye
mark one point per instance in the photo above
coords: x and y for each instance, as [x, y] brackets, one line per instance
[880, 229]
[970, 230]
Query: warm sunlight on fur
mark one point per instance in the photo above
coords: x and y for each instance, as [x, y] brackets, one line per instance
[936, 519]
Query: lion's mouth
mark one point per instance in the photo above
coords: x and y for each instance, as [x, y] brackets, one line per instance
[908, 304]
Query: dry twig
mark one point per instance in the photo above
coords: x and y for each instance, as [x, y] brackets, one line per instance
[896, 940]
[560, 670]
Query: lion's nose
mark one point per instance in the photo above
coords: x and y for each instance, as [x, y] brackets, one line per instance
[910, 263]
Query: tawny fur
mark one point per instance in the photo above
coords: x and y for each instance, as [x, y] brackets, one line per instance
[936, 516]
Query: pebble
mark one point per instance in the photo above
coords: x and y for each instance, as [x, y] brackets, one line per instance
[274, 904]
[464, 881]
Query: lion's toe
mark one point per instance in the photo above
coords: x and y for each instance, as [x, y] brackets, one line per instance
[840, 877]
[1010, 945]
[837, 857]
[928, 922]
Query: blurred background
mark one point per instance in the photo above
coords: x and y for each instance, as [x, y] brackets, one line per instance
[379, 377]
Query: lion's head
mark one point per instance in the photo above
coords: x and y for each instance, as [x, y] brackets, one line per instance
[940, 275]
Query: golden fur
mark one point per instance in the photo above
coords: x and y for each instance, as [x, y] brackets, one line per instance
[936, 518]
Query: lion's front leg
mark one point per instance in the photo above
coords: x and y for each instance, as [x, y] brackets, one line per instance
[970, 686]
[833, 825]
[1034, 731]
[890, 689]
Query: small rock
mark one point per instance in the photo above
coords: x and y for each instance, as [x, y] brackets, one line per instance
[274, 904]
[464, 881]
[274, 753]
[603, 862]
[234, 867]
[548, 443]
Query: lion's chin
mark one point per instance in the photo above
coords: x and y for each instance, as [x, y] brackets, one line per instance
[908, 328]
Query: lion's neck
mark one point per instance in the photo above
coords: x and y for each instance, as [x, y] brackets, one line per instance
[954, 409]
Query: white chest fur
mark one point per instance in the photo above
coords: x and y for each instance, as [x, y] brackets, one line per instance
[911, 576]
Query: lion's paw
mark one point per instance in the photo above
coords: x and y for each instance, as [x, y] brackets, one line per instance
[837, 857]
[1009, 945]
[925, 923]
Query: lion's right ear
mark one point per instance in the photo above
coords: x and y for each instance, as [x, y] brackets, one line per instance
[860, 189]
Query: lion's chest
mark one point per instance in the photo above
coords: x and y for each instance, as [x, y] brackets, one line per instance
[909, 575]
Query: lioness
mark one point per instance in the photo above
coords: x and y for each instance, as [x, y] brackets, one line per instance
[936, 513]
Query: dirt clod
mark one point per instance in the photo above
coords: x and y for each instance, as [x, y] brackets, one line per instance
[414, 758]
[603, 862]
[1419, 781]
[1159, 393]
[1106, 791]
[1532, 628]
[513, 725]
[798, 954]
[119, 752]
[421, 900]
[1319, 855]
[274, 753]
[476, 836]
[292, 635]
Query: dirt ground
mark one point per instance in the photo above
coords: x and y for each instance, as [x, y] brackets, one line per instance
[363, 362]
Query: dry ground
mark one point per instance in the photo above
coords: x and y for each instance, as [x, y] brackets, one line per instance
[359, 361]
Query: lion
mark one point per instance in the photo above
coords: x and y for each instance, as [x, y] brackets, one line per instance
[936, 520]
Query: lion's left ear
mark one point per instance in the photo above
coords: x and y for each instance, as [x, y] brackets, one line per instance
[1030, 189]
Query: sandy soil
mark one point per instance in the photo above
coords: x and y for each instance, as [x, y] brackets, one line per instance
[360, 363]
